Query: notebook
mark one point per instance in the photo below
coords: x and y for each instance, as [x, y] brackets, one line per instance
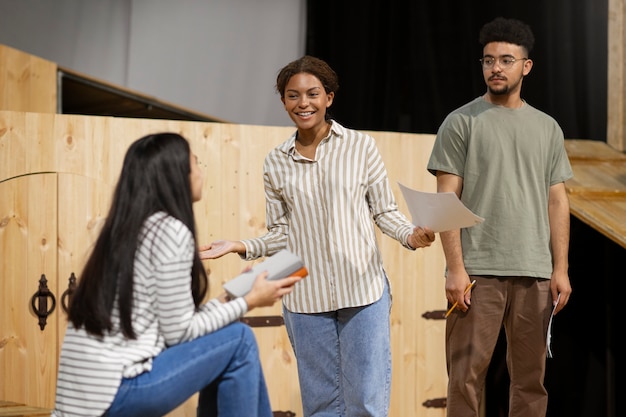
[280, 265]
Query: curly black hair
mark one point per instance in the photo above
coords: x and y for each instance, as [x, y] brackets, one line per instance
[507, 30]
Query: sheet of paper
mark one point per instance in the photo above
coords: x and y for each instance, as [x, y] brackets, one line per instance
[438, 211]
[549, 335]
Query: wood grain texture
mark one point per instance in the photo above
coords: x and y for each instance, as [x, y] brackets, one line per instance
[84, 154]
[598, 189]
[12, 409]
[27, 82]
[28, 235]
[616, 88]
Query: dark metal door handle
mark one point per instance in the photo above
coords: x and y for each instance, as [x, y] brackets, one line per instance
[42, 295]
[435, 403]
[66, 297]
[435, 315]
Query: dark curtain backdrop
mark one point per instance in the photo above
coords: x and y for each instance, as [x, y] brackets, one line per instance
[404, 65]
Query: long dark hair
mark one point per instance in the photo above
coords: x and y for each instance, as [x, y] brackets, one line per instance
[154, 177]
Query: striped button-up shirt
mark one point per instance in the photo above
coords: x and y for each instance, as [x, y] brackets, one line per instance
[324, 210]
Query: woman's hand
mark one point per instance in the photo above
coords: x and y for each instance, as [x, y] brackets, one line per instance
[266, 292]
[220, 248]
[421, 237]
[224, 297]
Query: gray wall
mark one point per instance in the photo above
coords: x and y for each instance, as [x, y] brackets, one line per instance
[218, 57]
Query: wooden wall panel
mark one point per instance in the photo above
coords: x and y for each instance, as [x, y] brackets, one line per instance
[87, 152]
[20, 133]
[417, 283]
[27, 83]
[28, 355]
[616, 93]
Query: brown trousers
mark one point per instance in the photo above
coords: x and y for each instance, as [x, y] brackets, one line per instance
[523, 306]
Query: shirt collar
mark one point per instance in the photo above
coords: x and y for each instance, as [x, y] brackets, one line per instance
[289, 146]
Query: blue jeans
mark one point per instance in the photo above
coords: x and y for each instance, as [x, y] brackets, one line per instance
[222, 366]
[344, 359]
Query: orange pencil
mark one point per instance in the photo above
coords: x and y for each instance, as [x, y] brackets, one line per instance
[469, 287]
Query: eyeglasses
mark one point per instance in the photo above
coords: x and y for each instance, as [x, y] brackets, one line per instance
[504, 62]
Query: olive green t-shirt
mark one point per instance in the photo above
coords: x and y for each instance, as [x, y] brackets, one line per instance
[508, 159]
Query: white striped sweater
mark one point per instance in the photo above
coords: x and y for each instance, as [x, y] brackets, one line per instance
[91, 368]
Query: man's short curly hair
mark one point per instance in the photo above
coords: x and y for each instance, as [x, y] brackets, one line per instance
[507, 30]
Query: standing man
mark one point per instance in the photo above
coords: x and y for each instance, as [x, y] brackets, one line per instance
[506, 161]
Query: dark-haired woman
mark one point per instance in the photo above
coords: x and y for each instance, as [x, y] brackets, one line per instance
[140, 341]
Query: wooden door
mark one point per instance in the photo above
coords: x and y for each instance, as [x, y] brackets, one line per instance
[28, 236]
[83, 204]
[48, 223]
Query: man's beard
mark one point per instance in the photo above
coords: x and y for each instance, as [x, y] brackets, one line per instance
[499, 92]
[505, 89]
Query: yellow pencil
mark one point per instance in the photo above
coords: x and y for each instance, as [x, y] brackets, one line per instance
[469, 287]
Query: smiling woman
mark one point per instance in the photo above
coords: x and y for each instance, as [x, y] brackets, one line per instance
[325, 184]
